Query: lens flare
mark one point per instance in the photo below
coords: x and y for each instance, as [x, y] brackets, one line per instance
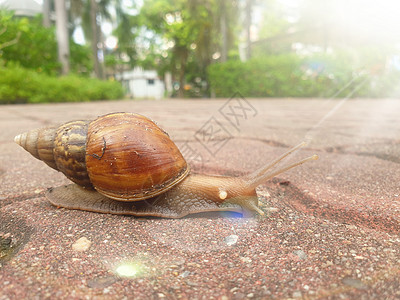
[129, 270]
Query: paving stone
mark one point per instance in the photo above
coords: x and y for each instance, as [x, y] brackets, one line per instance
[331, 229]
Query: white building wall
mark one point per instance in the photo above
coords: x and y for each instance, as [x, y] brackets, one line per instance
[143, 83]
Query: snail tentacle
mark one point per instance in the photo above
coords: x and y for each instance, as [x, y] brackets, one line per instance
[267, 172]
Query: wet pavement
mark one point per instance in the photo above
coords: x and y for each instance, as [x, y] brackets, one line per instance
[331, 228]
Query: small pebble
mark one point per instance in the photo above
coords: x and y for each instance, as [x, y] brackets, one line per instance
[231, 239]
[175, 287]
[185, 274]
[301, 254]
[297, 294]
[245, 259]
[191, 283]
[272, 209]
[354, 282]
[238, 296]
[81, 244]
[250, 295]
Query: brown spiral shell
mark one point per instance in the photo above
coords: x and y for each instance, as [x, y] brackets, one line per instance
[124, 156]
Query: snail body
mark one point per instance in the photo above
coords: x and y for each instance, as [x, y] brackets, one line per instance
[123, 163]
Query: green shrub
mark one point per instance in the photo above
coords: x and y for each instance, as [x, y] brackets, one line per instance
[34, 47]
[19, 85]
[289, 75]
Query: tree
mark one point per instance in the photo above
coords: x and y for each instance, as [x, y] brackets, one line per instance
[7, 40]
[87, 13]
[127, 30]
[62, 35]
[188, 33]
[24, 41]
[95, 32]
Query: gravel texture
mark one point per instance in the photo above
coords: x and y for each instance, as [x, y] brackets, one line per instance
[331, 229]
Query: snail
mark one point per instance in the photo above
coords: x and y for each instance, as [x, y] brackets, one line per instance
[123, 163]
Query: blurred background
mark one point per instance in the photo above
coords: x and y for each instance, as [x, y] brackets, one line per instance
[82, 50]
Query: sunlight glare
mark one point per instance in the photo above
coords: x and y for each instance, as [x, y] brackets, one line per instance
[128, 269]
[368, 18]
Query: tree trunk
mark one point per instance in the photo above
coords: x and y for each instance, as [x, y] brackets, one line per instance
[224, 32]
[46, 13]
[95, 37]
[62, 35]
[101, 41]
[249, 4]
[183, 59]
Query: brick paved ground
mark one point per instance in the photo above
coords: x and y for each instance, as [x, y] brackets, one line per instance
[331, 230]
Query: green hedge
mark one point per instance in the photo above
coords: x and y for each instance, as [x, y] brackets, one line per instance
[288, 75]
[19, 85]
